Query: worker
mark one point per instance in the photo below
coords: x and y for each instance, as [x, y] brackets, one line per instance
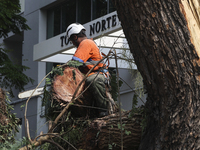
[88, 53]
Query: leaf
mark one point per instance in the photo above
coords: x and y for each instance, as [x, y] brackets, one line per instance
[11, 74]
[22, 105]
[134, 101]
[127, 132]
[48, 81]
[109, 146]
[119, 126]
[73, 63]
[74, 75]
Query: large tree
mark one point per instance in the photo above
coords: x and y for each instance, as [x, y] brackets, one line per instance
[163, 36]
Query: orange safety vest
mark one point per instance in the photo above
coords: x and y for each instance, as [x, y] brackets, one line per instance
[89, 54]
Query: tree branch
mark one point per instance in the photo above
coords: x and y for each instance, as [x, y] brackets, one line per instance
[52, 142]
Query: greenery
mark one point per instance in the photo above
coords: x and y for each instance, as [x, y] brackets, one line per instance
[139, 110]
[8, 122]
[138, 80]
[113, 84]
[10, 18]
[14, 145]
[70, 131]
[11, 74]
[75, 64]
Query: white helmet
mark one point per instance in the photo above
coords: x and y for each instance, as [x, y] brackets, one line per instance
[74, 28]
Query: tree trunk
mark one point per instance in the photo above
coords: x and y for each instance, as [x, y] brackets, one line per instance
[104, 133]
[163, 36]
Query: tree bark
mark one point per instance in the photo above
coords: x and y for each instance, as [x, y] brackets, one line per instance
[162, 36]
[64, 86]
[104, 133]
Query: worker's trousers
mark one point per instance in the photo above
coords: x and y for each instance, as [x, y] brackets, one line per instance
[98, 90]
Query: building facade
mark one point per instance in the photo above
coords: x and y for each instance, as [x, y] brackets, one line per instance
[45, 45]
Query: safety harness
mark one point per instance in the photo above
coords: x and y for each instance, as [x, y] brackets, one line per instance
[102, 70]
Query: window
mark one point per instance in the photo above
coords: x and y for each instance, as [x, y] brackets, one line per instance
[99, 8]
[111, 7]
[68, 14]
[82, 11]
[60, 17]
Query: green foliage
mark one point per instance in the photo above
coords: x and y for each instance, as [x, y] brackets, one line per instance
[135, 108]
[50, 105]
[8, 126]
[10, 18]
[14, 145]
[74, 75]
[111, 146]
[48, 81]
[138, 80]
[46, 95]
[127, 132]
[75, 64]
[11, 74]
[113, 84]
[70, 131]
[123, 128]
[134, 104]
[140, 110]
[57, 71]
[144, 121]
